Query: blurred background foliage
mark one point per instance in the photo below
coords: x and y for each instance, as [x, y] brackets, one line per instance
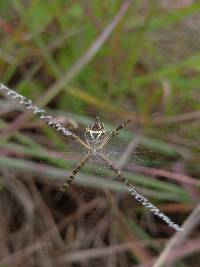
[147, 68]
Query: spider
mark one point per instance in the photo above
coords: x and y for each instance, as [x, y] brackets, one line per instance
[96, 137]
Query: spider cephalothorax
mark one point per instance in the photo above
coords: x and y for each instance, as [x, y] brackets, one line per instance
[96, 133]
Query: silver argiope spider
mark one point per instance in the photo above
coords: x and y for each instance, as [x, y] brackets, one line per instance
[96, 138]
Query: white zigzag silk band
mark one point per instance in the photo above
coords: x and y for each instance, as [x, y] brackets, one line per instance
[60, 128]
[29, 105]
[144, 201]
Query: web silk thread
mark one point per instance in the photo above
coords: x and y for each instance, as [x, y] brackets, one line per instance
[144, 201]
[30, 106]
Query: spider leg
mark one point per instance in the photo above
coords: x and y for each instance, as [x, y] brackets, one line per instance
[115, 169]
[114, 133]
[78, 167]
[81, 142]
[143, 200]
[62, 131]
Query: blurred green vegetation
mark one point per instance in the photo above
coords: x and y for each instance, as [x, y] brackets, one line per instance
[40, 40]
[148, 69]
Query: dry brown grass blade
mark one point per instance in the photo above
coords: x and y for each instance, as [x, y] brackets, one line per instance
[190, 247]
[86, 254]
[17, 188]
[45, 240]
[178, 118]
[189, 225]
[181, 178]
[47, 217]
